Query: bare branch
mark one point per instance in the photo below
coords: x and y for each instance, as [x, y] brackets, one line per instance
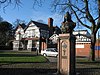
[5, 7]
[38, 3]
[88, 15]
[7, 4]
[99, 7]
[82, 17]
[3, 1]
[17, 3]
[78, 17]
[98, 23]
[78, 8]
[96, 18]
[57, 4]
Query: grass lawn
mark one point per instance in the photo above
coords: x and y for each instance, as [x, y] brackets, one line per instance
[85, 63]
[19, 57]
[86, 60]
[15, 52]
[22, 59]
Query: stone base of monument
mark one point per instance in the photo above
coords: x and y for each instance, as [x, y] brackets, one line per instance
[66, 57]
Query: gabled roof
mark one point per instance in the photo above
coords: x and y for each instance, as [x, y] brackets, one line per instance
[22, 25]
[39, 25]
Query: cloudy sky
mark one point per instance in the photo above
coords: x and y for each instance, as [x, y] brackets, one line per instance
[27, 13]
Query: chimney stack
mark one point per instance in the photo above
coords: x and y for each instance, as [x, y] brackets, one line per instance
[50, 22]
[50, 25]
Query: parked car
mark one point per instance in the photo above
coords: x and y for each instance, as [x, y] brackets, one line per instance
[50, 52]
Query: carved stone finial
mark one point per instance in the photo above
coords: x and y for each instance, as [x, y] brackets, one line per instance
[67, 25]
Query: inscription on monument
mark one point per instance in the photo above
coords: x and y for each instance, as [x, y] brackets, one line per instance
[64, 49]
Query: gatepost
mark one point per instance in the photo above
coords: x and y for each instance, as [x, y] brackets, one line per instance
[66, 58]
[66, 48]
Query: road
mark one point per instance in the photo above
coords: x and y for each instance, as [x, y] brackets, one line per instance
[52, 59]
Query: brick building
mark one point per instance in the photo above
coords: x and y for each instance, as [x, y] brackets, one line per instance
[83, 43]
[97, 48]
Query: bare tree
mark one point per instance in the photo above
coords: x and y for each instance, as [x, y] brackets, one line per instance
[17, 3]
[5, 3]
[17, 22]
[88, 10]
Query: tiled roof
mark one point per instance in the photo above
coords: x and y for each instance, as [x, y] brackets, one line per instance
[39, 25]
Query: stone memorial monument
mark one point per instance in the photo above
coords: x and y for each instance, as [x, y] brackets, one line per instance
[66, 47]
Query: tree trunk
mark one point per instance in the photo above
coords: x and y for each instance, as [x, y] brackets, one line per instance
[92, 47]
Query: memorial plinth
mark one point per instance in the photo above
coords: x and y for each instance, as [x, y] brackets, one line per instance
[66, 57]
